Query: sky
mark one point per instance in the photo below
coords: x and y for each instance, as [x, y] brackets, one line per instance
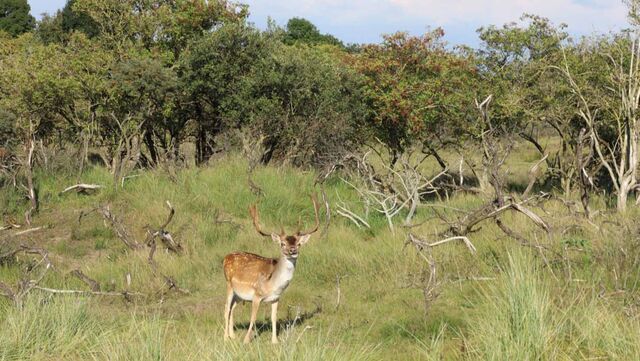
[363, 21]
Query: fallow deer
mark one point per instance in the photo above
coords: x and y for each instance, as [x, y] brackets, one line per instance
[258, 279]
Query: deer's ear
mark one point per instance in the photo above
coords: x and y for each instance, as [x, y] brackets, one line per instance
[304, 239]
[276, 238]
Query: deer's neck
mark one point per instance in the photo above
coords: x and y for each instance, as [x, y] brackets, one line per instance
[283, 273]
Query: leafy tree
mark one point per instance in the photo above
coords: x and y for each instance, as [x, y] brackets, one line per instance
[211, 74]
[301, 30]
[49, 29]
[307, 105]
[77, 21]
[161, 31]
[516, 64]
[417, 90]
[15, 18]
[166, 25]
[30, 89]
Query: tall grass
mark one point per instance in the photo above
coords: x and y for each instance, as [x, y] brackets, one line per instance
[525, 313]
[526, 316]
[515, 321]
[47, 328]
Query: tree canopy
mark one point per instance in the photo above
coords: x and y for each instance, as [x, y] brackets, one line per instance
[15, 17]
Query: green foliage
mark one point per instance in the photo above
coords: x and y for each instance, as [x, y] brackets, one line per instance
[211, 75]
[31, 88]
[59, 26]
[15, 18]
[7, 133]
[77, 21]
[416, 89]
[164, 25]
[306, 104]
[301, 30]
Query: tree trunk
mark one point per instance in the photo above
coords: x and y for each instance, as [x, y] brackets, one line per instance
[33, 196]
[151, 147]
[623, 195]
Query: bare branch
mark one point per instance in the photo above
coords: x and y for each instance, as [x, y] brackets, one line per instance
[30, 230]
[163, 234]
[424, 244]
[125, 294]
[327, 209]
[534, 217]
[82, 188]
[170, 217]
[533, 175]
[93, 284]
[115, 223]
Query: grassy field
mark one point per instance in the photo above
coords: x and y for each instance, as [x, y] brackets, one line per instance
[577, 301]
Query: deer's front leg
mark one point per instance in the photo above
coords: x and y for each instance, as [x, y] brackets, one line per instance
[274, 322]
[255, 304]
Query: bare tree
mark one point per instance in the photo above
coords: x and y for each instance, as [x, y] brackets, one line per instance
[618, 155]
[389, 186]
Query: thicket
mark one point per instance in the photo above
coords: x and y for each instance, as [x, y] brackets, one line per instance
[134, 84]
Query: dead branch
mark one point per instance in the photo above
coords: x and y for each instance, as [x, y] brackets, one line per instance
[533, 175]
[126, 294]
[169, 281]
[430, 282]
[30, 279]
[338, 291]
[30, 230]
[389, 185]
[82, 188]
[163, 234]
[152, 235]
[422, 244]
[585, 180]
[254, 150]
[534, 217]
[352, 216]
[115, 223]
[327, 209]
[93, 284]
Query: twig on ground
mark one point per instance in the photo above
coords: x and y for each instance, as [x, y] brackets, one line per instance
[82, 188]
[30, 230]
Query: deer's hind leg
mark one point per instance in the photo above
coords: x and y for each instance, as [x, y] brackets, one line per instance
[234, 303]
[228, 307]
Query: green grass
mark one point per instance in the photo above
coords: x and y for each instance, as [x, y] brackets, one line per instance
[506, 302]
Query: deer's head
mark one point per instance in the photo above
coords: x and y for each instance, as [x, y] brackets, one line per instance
[289, 244]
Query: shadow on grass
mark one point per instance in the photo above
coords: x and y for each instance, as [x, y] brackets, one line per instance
[282, 324]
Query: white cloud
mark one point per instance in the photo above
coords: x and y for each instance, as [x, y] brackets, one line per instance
[582, 16]
[379, 16]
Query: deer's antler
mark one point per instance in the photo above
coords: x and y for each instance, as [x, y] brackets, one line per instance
[315, 209]
[256, 221]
